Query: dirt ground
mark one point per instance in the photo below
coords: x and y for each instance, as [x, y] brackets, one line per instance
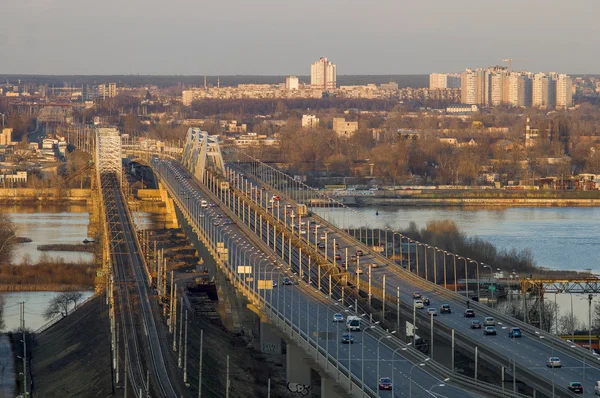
[72, 358]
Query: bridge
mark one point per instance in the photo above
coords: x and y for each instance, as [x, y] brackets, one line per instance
[283, 250]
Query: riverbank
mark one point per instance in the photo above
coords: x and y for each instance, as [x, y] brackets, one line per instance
[497, 202]
[45, 195]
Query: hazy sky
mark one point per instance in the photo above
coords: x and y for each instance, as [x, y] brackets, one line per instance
[281, 37]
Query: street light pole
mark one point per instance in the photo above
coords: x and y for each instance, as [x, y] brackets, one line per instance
[389, 336]
[410, 376]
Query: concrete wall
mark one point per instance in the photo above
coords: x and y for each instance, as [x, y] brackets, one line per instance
[44, 195]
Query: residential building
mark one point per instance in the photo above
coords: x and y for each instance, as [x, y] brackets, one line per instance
[462, 109]
[323, 74]
[543, 91]
[344, 128]
[499, 86]
[6, 136]
[108, 90]
[519, 89]
[475, 87]
[291, 83]
[12, 178]
[310, 121]
[444, 80]
[564, 91]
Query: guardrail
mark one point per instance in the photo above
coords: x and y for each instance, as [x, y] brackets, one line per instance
[535, 379]
[58, 318]
[296, 334]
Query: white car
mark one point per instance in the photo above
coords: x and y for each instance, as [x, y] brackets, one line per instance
[359, 271]
[489, 321]
[337, 317]
[419, 304]
[431, 311]
[554, 362]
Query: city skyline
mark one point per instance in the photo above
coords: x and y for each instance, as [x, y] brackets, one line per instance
[265, 38]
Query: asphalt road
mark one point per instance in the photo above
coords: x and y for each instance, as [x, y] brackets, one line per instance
[312, 314]
[530, 351]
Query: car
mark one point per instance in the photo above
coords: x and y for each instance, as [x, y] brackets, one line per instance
[321, 245]
[431, 311]
[514, 332]
[597, 388]
[419, 304]
[347, 338]
[385, 383]
[353, 259]
[359, 253]
[489, 330]
[287, 281]
[426, 301]
[469, 314]
[416, 295]
[337, 256]
[489, 321]
[276, 198]
[575, 387]
[336, 246]
[374, 265]
[475, 324]
[359, 271]
[274, 283]
[554, 362]
[302, 232]
[288, 206]
[445, 309]
[337, 317]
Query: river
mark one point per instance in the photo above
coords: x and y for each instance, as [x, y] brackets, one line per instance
[50, 224]
[559, 238]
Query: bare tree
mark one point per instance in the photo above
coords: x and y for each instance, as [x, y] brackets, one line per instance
[59, 306]
[7, 234]
[74, 297]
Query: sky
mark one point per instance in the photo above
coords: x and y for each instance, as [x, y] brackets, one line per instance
[283, 37]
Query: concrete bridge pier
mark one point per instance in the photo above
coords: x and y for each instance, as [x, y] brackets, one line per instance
[330, 388]
[270, 338]
[171, 214]
[298, 366]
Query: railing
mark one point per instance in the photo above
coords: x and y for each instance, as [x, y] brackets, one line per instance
[295, 333]
[58, 318]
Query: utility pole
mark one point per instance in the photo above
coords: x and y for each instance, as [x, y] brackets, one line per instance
[147, 383]
[180, 331]
[171, 304]
[126, 366]
[200, 366]
[185, 349]
[227, 381]
[175, 321]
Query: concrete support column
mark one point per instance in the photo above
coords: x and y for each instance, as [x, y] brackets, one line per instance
[270, 339]
[298, 365]
[330, 389]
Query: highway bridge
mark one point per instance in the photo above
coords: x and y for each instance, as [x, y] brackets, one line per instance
[262, 232]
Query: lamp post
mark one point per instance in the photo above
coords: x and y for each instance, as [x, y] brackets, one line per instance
[437, 384]
[491, 277]
[477, 275]
[466, 277]
[552, 341]
[389, 336]
[337, 340]
[410, 375]
[362, 356]
[393, 354]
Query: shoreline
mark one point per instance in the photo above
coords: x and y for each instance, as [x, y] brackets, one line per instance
[10, 288]
[512, 202]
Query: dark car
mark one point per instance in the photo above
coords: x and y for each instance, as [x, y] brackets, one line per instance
[385, 383]
[287, 281]
[489, 330]
[469, 314]
[575, 387]
[426, 301]
[476, 324]
[338, 256]
[321, 245]
[347, 338]
[445, 309]
[514, 332]
[359, 253]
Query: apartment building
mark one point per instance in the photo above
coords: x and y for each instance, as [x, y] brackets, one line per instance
[344, 128]
[323, 74]
[543, 91]
[564, 91]
[475, 87]
[444, 80]
[310, 121]
[108, 90]
[291, 83]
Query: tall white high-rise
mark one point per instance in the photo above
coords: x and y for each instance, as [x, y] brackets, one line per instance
[444, 80]
[475, 87]
[291, 83]
[323, 74]
[564, 91]
[543, 91]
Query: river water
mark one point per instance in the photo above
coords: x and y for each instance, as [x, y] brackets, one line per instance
[558, 237]
[50, 224]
